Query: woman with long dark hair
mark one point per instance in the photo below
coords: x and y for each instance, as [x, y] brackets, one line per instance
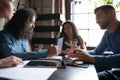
[15, 36]
[70, 34]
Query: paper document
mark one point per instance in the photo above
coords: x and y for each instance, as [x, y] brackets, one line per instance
[21, 73]
[60, 43]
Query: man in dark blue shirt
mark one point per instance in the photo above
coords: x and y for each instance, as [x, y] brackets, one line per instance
[106, 18]
[110, 40]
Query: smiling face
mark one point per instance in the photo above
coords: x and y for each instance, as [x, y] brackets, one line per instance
[7, 9]
[30, 25]
[103, 19]
[68, 29]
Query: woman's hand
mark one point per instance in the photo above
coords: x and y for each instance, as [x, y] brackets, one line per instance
[10, 61]
[73, 47]
[53, 51]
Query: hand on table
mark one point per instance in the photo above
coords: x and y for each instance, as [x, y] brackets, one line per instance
[10, 61]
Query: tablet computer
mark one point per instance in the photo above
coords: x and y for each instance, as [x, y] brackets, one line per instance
[43, 63]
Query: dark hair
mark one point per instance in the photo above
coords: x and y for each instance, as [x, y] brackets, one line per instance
[16, 25]
[105, 8]
[74, 29]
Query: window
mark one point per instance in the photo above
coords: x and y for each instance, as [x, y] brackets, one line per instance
[82, 14]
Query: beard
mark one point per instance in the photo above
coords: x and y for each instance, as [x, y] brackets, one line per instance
[104, 25]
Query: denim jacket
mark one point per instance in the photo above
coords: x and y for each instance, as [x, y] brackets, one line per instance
[9, 45]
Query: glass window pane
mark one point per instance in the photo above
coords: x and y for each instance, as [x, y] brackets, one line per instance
[91, 37]
[81, 6]
[84, 34]
[92, 22]
[80, 20]
[95, 37]
[118, 15]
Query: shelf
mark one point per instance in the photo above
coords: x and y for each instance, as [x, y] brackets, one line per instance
[42, 29]
[47, 29]
[44, 40]
[56, 16]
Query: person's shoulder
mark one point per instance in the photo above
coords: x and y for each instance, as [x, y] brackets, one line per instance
[106, 32]
[5, 34]
[2, 32]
